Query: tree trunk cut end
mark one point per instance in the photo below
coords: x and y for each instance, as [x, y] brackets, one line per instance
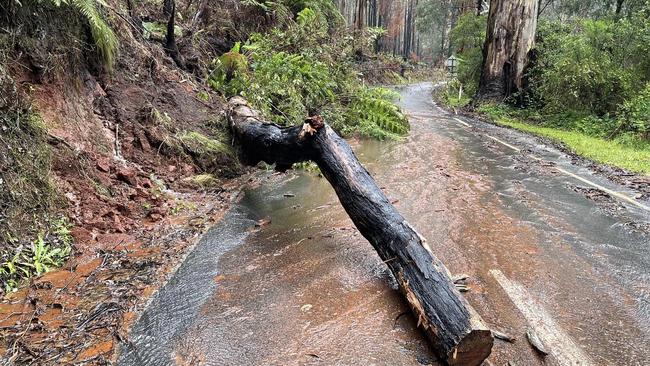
[473, 349]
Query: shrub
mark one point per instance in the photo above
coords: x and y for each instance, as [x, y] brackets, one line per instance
[303, 70]
[104, 37]
[635, 114]
[374, 114]
[42, 255]
[468, 37]
[580, 70]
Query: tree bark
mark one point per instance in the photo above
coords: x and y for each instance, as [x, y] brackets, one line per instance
[509, 38]
[170, 38]
[619, 6]
[457, 333]
[168, 7]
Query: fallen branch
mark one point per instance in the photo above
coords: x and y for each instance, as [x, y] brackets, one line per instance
[456, 331]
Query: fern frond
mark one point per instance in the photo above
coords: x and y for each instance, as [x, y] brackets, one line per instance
[104, 37]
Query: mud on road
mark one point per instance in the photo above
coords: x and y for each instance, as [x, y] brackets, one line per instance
[285, 278]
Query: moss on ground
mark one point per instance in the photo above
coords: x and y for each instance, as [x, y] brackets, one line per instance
[202, 180]
[198, 144]
[27, 193]
[211, 155]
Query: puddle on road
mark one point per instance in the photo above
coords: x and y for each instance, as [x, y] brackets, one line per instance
[306, 288]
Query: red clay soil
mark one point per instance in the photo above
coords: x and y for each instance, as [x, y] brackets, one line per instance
[134, 215]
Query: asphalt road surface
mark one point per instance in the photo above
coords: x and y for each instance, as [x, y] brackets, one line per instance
[549, 248]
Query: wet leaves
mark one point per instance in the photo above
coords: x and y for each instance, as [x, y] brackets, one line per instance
[79, 314]
[502, 336]
[534, 341]
[263, 222]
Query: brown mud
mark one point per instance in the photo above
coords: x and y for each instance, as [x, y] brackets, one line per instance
[305, 288]
[123, 178]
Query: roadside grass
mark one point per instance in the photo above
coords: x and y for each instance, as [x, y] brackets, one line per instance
[455, 102]
[625, 152]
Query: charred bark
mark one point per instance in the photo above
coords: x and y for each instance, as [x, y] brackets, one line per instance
[170, 38]
[457, 333]
[509, 38]
[168, 7]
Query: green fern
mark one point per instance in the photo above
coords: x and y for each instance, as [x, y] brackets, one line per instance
[104, 37]
[376, 116]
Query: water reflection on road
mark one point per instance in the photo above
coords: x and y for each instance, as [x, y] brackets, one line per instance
[306, 288]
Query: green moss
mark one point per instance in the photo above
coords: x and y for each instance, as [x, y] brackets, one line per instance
[211, 155]
[198, 144]
[27, 193]
[204, 96]
[625, 152]
[158, 118]
[158, 30]
[203, 180]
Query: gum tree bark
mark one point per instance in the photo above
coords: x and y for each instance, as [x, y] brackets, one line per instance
[456, 331]
[509, 38]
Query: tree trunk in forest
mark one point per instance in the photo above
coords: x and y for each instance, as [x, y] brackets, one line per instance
[619, 6]
[361, 14]
[168, 7]
[445, 41]
[509, 38]
[456, 331]
[170, 38]
[397, 17]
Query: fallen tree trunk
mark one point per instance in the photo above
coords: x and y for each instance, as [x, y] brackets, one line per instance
[457, 333]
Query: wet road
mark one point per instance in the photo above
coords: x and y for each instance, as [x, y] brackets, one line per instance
[307, 289]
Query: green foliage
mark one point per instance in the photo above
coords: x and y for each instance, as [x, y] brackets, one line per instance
[104, 37]
[594, 71]
[204, 96]
[40, 256]
[198, 144]
[308, 166]
[453, 96]
[635, 114]
[579, 69]
[229, 71]
[468, 37]
[209, 154]
[376, 115]
[26, 190]
[324, 11]
[589, 75]
[289, 74]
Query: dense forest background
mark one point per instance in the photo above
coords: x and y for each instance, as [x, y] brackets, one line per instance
[589, 70]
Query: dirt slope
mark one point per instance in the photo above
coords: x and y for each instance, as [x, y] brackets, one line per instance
[139, 162]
